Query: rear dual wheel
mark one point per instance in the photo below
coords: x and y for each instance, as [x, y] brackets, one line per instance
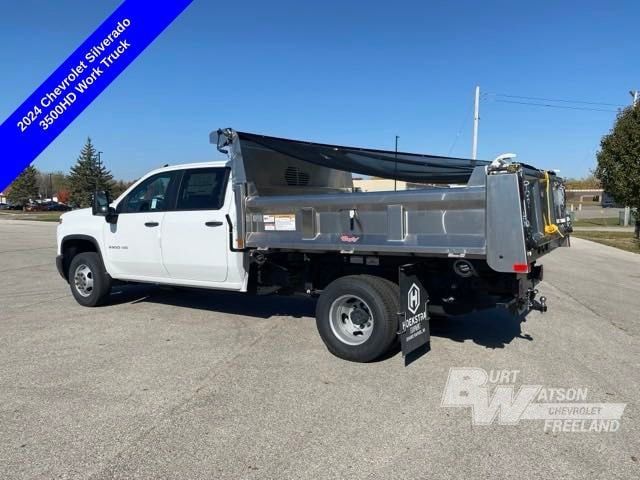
[356, 317]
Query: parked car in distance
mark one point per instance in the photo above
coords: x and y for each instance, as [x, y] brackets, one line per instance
[4, 206]
[57, 207]
[35, 207]
[609, 202]
[14, 206]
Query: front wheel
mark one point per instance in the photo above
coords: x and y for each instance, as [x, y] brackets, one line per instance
[89, 282]
[356, 317]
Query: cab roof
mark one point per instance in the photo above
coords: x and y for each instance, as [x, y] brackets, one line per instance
[184, 166]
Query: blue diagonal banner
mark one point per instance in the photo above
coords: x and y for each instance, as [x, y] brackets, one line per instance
[79, 80]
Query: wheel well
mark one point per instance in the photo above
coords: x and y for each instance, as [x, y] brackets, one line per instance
[72, 247]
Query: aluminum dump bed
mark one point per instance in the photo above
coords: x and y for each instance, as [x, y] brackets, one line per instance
[299, 196]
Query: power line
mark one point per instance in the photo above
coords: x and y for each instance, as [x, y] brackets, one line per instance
[548, 105]
[463, 123]
[555, 100]
[536, 102]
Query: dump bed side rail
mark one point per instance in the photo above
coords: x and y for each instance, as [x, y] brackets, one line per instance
[437, 221]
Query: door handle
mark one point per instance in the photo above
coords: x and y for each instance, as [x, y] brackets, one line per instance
[213, 224]
[151, 224]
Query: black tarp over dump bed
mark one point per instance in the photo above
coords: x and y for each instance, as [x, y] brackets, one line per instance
[409, 167]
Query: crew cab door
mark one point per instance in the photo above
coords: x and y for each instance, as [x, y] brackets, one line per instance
[133, 242]
[195, 234]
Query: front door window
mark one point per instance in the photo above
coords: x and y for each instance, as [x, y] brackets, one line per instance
[150, 196]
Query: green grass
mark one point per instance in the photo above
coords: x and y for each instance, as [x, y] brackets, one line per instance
[596, 222]
[38, 216]
[622, 240]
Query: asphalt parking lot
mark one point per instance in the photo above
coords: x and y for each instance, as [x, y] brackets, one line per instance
[166, 384]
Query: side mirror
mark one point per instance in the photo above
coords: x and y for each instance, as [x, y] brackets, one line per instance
[101, 203]
[222, 138]
[101, 206]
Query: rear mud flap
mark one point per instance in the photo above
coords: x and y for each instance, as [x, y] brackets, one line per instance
[413, 318]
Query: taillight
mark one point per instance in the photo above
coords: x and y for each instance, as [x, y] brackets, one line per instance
[521, 267]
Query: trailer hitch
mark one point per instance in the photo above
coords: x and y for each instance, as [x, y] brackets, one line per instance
[537, 304]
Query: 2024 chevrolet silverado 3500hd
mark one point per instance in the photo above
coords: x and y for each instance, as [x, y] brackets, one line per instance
[282, 217]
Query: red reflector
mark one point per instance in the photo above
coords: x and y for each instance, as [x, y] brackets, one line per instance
[521, 267]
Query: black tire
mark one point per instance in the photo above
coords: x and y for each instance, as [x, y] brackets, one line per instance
[381, 298]
[90, 284]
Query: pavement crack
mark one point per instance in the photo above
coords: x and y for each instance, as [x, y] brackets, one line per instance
[180, 406]
[22, 267]
[28, 249]
[595, 312]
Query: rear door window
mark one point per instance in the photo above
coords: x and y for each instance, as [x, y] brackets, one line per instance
[202, 189]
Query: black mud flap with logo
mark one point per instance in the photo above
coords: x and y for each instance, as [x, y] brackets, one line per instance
[413, 319]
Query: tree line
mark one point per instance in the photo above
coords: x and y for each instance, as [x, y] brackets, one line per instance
[588, 182]
[74, 188]
[618, 167]
[617, 171]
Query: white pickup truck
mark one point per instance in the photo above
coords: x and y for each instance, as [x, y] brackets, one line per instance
[282, 216]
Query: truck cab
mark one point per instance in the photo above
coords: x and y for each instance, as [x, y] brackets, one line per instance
[171, 227]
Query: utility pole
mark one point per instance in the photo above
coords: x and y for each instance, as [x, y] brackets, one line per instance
[476, 120]
[395, 167]
[627, 210]
[99, 168]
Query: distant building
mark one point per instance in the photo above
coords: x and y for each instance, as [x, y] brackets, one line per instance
[383, 185]
[584, 195]
[3, 198]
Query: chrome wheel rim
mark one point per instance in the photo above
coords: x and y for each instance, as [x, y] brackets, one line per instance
[83, 280]
[351, 320]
